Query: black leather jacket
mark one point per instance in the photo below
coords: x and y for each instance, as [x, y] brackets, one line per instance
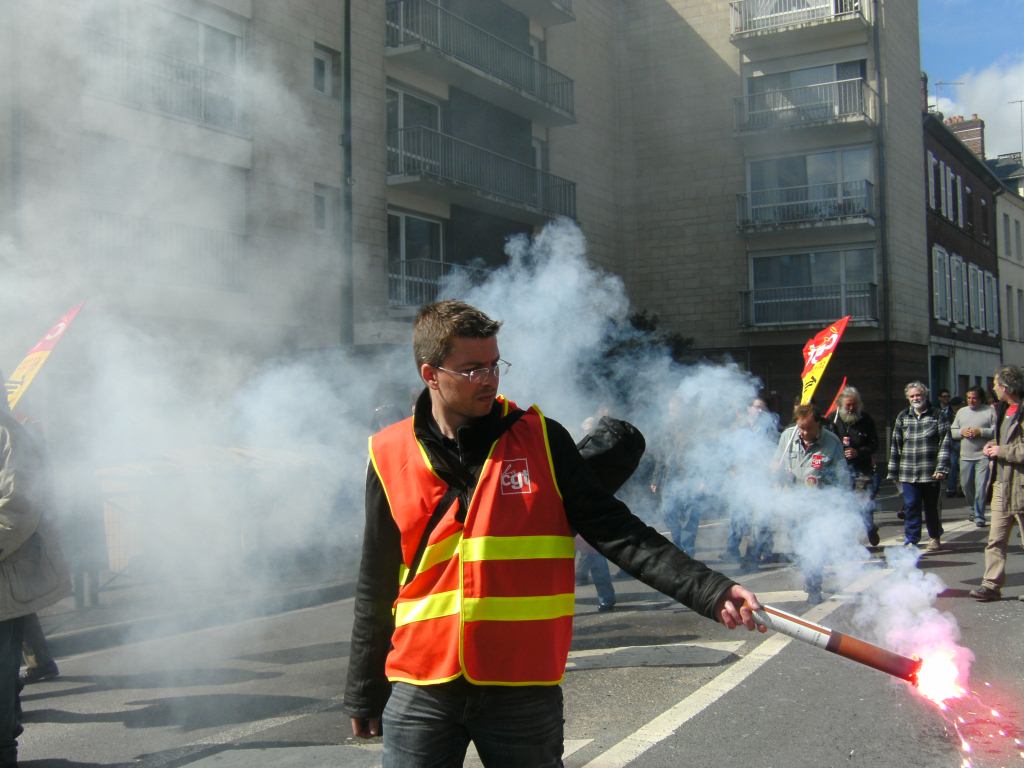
[862, 436]
[601, 519]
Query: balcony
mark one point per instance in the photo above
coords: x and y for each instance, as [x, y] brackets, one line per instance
[845, 202]
[437, 42]
[428, 161]
[840, 102]
[214, 258]
[772, 21]
[415, 282]
[151, 82]
[808, 305]
[547, 13]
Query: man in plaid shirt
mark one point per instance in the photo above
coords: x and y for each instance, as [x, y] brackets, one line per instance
[919, 461]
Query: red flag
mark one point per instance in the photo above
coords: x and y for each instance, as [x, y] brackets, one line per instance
[817, 352]
[835, 400]
[29, 367]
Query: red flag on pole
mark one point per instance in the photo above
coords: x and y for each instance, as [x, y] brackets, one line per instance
[29, 367]
[817, 352]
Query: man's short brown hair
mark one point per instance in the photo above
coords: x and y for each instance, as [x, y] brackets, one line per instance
[439, 323]
[803, 410]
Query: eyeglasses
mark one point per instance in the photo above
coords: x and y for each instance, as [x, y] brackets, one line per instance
[479, 375]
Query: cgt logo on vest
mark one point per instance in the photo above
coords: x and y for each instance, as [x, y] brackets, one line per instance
[515, 477]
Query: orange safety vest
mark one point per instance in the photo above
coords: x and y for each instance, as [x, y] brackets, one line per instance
[492, 598]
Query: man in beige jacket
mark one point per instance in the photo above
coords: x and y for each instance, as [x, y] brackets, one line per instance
[33, 573]
[1007, 489]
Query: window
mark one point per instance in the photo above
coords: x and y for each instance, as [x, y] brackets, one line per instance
[326, 70]
[799, 287]
[1008, 314]
[1016, 238]
[932, 181]
[1006, 234]
[325, 208]
[969, 210]
[977, 298]
[991, 304]
[957, 293]
[812, 94]
[415, 258]
[406, 110]
[940, 284]
[809, 187]
[1020, 313]
[983, 215]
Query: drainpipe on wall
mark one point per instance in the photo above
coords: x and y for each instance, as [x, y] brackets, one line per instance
[883, 228]
[347, 297]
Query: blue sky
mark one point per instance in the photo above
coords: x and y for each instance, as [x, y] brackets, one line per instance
[979, 43]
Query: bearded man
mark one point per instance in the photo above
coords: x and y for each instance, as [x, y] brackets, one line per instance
[856, 431]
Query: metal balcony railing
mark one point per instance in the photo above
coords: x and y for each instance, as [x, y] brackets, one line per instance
[175, 252]
[152, 82]
[427, 23]
[765, 15]
[415, 282]
[424, 152]
[808, 304]
[833, 102]
[800, 205]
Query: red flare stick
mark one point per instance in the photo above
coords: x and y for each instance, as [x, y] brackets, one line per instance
[847, 646]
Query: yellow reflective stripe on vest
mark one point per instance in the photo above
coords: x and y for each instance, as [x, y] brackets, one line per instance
[517, 548]
[430, 607]
[438, 552]
[518, 608]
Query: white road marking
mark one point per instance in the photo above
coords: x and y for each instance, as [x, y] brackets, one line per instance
[667, 723]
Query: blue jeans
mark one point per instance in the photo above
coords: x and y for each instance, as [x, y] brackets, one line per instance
[430, 726]
[918, 496]
[974, 481]
[954, 463]
[594, 564]
[10, 715]
[683, 520]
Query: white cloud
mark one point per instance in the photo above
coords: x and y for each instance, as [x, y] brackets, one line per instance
[987, 93]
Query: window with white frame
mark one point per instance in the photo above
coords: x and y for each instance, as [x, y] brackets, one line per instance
[977, 298]
[797, 287]
[991, 304]
[1006, 234]
[326, 70]
[1008, 314]
[326, 203]
[940, 284]
[957, 293]
[415, 258]
[1017, 239]
[1020, 313]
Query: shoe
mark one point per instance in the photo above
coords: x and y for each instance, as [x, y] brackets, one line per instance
[950, 494]
[873, 537]
[986, 594]
[605, 607]
[910, 545]
[38, 674]
[901, 515]
[814, 598]
[980, 524]
[933, 546]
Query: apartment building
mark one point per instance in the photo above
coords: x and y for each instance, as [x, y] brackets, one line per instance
[769, 173]
[751, 169]
[1010, 218]
[964, 347]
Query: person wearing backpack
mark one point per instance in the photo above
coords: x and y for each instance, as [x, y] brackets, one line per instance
[462, 634]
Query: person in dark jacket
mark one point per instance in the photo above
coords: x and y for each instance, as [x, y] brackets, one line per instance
[459, 423]
[856, 431]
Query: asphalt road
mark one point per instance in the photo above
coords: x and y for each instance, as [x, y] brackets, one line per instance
[650, 684]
